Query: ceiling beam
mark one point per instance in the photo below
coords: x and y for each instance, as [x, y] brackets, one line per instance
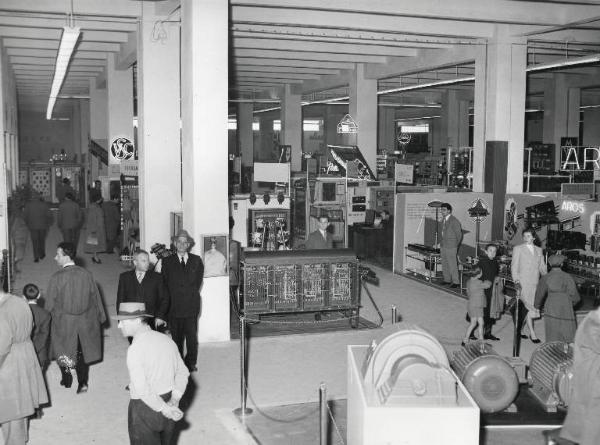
[298, 55]
[263, 75]
[101, 24]
[117, 8]
[55, 34]
[29, 52]
[11, 42]
[292, 63]
[283, 69]
[52, 60]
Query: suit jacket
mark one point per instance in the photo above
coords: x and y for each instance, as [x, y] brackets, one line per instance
[526, 267]
[70, 215]
[37, 215]
[40, 335]
[151, 291]
[316, 241]
[183, 285]
[451, 233]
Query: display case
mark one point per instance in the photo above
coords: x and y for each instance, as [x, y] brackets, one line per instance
[423, 260]
[300, 281]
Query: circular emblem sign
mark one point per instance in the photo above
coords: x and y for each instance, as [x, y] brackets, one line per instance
[122, 149]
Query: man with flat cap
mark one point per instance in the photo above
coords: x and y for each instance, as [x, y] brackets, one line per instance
[157, 378]
[182, 275]
[556, 294]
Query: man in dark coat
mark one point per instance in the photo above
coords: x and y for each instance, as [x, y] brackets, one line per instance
[77, 315]
[40, 335]
[320, 238]
[490, 269]
[112, 223]
[451, 239]
[556, 293]
[182, 274]
[144, 286]
[581, 424]
[70, 219]
[38, 218]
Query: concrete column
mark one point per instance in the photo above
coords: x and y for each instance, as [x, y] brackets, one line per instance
[574, 101]
[291, 125]
[119, 85]
[363, 109]
[386, 129]
[505, 84]
[159, 136]
[204, 64]
[98, 127]
[245, 117]
[463, 123]
[556, 112]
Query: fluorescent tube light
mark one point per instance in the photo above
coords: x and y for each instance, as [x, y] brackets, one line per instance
[65, 51]
[569, 62]
[421, 86]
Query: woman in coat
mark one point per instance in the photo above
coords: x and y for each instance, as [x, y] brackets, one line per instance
[22, 387]
[95, 232]
[559, 318]
[526, 267]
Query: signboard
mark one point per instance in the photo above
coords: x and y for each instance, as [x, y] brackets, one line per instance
[129, 168]
[342, 154]
[579, 158]
[404, 173]
[121, 148]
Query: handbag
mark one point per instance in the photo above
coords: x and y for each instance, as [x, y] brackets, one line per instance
[92, 239]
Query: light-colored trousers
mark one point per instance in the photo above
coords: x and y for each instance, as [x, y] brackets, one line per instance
[450, 264]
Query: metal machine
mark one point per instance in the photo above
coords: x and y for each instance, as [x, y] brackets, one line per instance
[490, 379]
[551, 374]
[403, 391]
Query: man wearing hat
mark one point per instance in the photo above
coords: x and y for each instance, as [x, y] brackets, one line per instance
[157, 378]
[182, 274]
[556, 293]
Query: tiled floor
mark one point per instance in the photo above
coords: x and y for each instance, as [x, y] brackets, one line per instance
[282, 370]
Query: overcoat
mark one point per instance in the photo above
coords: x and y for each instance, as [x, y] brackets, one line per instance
[581, 424]
[559, 318]
[94, 225]
[526, 267]
[22, 387]
[151, 291]
[73, 300]
[40, 336]
[70, 215]
[112, 219]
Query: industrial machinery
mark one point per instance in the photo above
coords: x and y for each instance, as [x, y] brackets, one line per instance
[551, 374]
[403, 385]
[490, 379]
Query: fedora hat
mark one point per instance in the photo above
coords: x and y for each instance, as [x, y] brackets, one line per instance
[183, 234]
[556, 260]
[128, 311]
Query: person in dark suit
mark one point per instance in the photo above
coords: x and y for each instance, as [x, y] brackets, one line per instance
[70, 219]
[182, 275]
[40, 335]
[320, 238]
[38, 219]
[141, 285]
[451, 239]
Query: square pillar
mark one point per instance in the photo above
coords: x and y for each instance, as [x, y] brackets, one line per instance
[204, 111]
[363, 109]
[159, 128]
[119, 87]
[291, 125]
[386, 128]
[245, 117]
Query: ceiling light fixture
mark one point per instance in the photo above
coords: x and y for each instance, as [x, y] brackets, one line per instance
[68, 41]
[421, 86]
[569, 62]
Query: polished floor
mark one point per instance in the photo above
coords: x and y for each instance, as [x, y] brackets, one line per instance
[283, 370]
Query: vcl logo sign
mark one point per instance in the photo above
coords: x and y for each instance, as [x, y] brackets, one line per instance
[580, 158]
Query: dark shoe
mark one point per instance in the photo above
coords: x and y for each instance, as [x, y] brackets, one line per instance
[36, 260]
[127, 388]
[446, 283]
[82, 387]
[96, 260]
[491, 337]
[472, 337]
[536, 340]
[192, 368]
[42, 257]
[455, 286]
[462, 343]
[67, 380]
[523, 336]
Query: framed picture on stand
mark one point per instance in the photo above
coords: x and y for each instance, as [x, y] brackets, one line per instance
[215, 252]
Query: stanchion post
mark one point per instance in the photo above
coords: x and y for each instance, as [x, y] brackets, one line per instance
[323, 414]
[242, 410]
[394, 314]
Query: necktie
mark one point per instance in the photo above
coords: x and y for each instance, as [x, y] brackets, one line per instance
[182, 262]
[140, 277]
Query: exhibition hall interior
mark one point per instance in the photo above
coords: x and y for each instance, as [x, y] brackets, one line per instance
[395, 204]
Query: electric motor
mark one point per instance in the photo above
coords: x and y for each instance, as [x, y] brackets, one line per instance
[551, 374]
[489, 378]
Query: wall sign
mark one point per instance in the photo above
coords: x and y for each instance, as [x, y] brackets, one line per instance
[122, 148]
[579, 158]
